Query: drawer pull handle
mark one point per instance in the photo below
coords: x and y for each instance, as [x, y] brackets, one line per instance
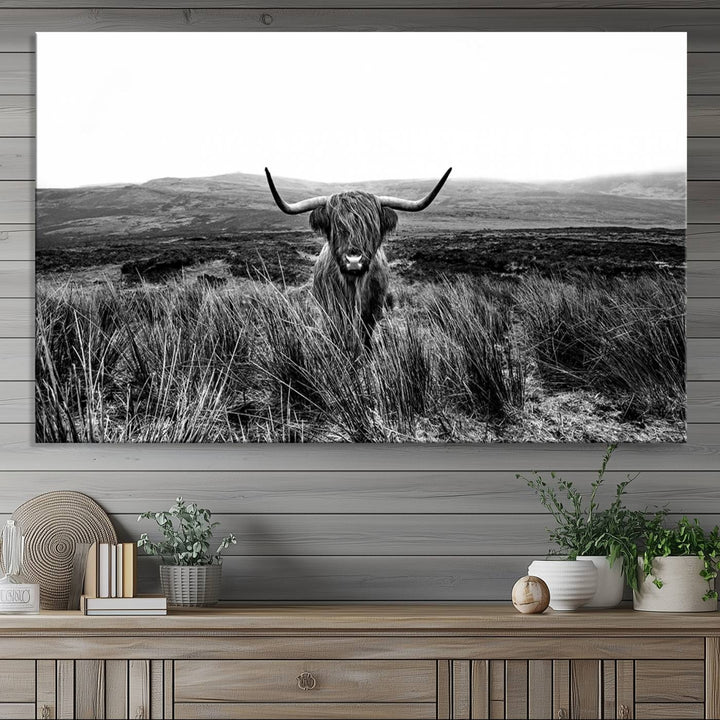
[306, 681]
[624, 712]
[45, 712]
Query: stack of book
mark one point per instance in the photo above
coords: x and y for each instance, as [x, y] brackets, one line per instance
[111, 583]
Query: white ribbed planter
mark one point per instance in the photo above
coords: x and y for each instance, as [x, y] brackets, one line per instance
[610, 582]
[191, 586]
[682, 589]
[571, 582]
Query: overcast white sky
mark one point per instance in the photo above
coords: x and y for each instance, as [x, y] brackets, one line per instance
[129, 107]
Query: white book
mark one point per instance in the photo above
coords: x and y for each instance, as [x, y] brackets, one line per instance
[140, 602]
[119, 570]
[113, 571]
[125, 612]
[104, 570]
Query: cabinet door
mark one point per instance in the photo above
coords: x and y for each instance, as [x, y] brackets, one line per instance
[84, 689]
[623, 689]
[528, 689]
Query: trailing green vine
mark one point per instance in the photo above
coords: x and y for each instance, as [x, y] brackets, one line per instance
[686, 539]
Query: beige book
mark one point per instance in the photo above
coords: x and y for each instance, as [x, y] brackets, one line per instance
[129, 570]
[91, 572]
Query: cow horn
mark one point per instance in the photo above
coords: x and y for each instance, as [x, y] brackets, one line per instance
[414, 205]
[294, 208]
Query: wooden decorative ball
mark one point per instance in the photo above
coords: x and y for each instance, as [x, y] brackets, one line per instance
[530, 594]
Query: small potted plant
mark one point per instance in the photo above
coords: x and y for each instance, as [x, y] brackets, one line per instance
[677, 568]
[583, 531]
[190, 574]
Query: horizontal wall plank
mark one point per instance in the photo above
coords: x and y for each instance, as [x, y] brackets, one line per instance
[17, 158]
[419, 492]
[17, 115]
[17, 278]
[703, 74]
[703, 402]
[703, 115]
[703, 161]
[17, 26]
[371, 579]
[703, 317]
[19, 452]
[17, 242]
[702, 205]
[17, 73]
[17, 199]
[702, 278]
[17, 357]
[702, 242]
[703, 359]
[16, 402]
[380, 535]
[17, 318]
[611, 5]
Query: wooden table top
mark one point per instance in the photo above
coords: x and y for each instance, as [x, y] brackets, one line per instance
[370, 619]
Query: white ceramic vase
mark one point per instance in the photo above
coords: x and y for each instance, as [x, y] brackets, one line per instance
[610, 582]
[571, 582]
[682, 589]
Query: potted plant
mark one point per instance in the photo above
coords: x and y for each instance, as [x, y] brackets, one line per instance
[677, 568]
[190, 574]
[606, 537]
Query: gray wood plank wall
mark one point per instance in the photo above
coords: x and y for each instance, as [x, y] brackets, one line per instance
[367, 523]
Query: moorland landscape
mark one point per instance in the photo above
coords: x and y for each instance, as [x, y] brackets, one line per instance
[179, 310]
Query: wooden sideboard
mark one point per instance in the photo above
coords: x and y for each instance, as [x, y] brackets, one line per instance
[361, 662]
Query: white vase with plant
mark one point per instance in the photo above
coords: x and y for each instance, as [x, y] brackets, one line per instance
[190, 574]
[606, 537]
[571, 582]
[677, 568]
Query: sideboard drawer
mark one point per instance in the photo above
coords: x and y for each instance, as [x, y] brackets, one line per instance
[300, 681]
[671, 681]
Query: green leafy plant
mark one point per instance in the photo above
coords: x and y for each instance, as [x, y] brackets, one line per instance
[685, 539]
[583, 528]
[187, 530]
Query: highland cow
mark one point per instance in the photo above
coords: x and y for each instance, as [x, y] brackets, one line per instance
[352, 276]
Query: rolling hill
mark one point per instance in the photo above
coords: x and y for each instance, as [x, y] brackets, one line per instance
[237, 203]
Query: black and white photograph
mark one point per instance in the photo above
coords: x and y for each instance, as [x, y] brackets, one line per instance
[270, 237]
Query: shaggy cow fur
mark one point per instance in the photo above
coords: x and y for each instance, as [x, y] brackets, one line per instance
[354, 224]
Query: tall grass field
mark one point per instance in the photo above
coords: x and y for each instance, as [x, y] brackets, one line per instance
[535, 357]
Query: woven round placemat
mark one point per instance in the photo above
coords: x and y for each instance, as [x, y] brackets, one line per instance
[52, 524]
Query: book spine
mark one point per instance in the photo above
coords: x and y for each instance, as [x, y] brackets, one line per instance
[120, 570]
[129, 570]
[113, 571]
[104, 570]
